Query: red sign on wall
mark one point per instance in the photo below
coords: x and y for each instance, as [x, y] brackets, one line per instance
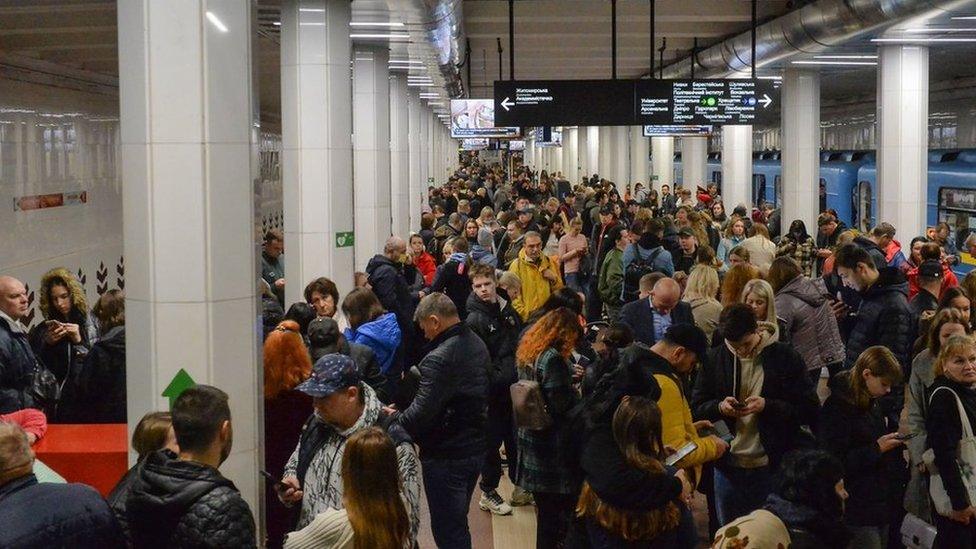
[54, 200]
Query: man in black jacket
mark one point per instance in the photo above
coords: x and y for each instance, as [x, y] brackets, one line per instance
[389, 282]
[447, 418]
[650, 318]
[884, 317]
[48, 515]
[495, 321]
[183, 500]
[760, 388]
[17, 360]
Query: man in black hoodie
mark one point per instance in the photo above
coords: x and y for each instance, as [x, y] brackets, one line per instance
[495, 321]
[183, 500]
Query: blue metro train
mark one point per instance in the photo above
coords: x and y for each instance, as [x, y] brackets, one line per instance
[848, 180]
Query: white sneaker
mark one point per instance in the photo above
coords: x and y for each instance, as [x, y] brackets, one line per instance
[491, 501]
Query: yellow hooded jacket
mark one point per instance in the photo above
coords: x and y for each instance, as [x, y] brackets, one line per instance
[535, 288]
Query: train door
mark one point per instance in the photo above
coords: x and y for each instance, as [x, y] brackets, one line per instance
[957, 207]
[778, 189]
[758, 188]
[823, 195]
[862, 216]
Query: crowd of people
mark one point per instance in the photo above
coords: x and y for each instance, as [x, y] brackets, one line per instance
[614, 353]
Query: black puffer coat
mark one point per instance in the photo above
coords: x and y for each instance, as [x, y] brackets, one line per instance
[98, 394]
[448, 416]
[883, 318]
[182, 504]
[17, 364]
[498, 325]
[809, 528]
[55, 515]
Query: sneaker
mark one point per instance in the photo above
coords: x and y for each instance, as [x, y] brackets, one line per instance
[491, 501]
[520, 497]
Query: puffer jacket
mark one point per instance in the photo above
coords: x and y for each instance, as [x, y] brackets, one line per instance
[175, 503]
[392, 288]
[448, 416]
[883, 318]
[499, 326]
[55, 515]
[803, 307]
[452, 279]
[98, 394]
[536, 289]
[17, 364]
[381, 335]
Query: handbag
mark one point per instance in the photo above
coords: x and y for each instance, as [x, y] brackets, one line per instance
[44, 389]
[966, 462]
[528, 406]
[916, 533]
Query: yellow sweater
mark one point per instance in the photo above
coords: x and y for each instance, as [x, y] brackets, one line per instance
[677, 428]
[535, 288]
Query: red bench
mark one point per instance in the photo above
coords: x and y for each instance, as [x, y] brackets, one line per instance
[96, 455]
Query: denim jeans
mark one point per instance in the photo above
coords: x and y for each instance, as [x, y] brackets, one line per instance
[739, 491]
[449, 484]
[575, 282]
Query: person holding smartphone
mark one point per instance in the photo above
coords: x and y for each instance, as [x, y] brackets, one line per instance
[854, 430]
[760, 388]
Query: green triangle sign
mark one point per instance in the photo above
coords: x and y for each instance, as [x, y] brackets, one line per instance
[181, 382]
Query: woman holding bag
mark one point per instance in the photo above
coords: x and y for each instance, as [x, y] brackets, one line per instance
[955, 372]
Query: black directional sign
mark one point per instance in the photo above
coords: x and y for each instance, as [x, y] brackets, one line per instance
[714, 102]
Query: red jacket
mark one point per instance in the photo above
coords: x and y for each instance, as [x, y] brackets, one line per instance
[29, 419]
[425, 264]
[949, 280]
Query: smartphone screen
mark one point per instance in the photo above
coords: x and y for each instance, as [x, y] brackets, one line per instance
[681, 453]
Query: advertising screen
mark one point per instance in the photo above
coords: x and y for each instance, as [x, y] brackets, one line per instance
[677, 131]
[516, 145]
[476, 118]
[474, 144]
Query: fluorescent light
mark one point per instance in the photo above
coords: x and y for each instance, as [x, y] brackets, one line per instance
[276, 23]
[922, 39]
[939, 30]
[769, 77]
[320, 24]
[216, 21]
[313, 10]
[420, 84]
[438, 103]
[845, 57]
[863, 63]
[390, 36]
[429, 95]
[407, 61]
[377, 24]
[965, 18]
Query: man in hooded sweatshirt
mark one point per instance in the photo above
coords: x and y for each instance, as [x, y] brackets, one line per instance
[183, 500]
[759, 387]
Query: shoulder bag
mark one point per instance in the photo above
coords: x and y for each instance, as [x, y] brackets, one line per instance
[966, 461]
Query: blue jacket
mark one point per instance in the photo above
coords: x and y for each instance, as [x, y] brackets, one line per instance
[17, 364]
[637, 316]
[381, 335]
[55, 515]
[662, 263]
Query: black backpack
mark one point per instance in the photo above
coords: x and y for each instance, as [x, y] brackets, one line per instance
[636, 270]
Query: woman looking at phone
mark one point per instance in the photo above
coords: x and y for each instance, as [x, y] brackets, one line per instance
[853, 429]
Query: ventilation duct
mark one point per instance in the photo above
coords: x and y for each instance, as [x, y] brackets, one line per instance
[811, 29]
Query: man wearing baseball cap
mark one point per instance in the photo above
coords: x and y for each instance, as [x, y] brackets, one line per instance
[929, 279]
[343, 404]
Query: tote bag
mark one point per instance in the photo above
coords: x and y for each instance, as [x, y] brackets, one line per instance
[966, 463]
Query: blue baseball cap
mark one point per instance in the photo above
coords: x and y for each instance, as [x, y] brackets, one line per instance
[331, 374]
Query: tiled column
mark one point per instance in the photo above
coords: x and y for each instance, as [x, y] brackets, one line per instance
[736, 166]
[801, 147]
[570, 167]
[605, 154]
[583, 153]
[371, 150]
[188, 109]
[639, 163]
[694, 161]
[424, 150]
[592, 150]
[662, 158]
[399, 155]
[903, 108]
[418, 185]
[316, 123]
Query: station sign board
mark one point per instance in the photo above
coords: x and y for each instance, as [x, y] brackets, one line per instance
[673, 130]
[472, 118]
[713, 102]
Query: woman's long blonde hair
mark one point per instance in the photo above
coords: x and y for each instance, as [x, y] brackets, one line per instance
[702, 283]
[371, 491]
[764, 290]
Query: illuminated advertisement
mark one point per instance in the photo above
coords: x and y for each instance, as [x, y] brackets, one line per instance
[476, 118]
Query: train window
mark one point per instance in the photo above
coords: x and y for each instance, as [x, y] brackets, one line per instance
[717, 177]
[957, 207]
[863, 216]
[778, 189]
[758, 188]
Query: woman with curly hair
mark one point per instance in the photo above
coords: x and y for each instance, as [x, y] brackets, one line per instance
[68, 331]
[545, 457]
[286, 364]
[629, 498]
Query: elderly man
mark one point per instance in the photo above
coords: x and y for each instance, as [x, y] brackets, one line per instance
[272, 264]
[538, 273]
[448, 417]
[17, 360]
[44, 514]
[649, 319]
[389, 283]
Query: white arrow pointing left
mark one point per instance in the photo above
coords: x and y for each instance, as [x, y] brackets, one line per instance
[766, 101]
[506, 103]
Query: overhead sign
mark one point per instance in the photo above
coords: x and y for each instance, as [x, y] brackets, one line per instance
[672, 130]
[548, 136]
[712, 102]
[476, 118]
[474, 144]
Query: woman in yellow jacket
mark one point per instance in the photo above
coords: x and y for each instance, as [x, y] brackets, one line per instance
[538, 273]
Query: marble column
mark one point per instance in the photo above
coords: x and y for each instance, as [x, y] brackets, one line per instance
[400, 156]
[694, 161]
[801, 147]
[737, 166]
[662, 159]
[417, 184]
[639, 163]
[371, 150]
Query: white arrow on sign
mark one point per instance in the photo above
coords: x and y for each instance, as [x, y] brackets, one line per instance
[766, 101]
[506, 103]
